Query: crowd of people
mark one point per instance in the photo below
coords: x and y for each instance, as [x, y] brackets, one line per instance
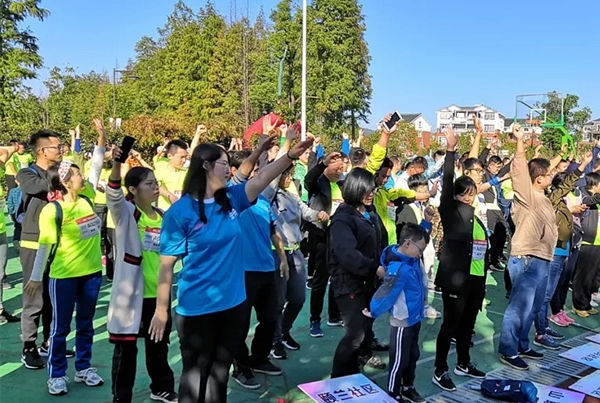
[254, 229]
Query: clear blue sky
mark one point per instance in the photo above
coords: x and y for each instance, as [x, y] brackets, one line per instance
[425, 54]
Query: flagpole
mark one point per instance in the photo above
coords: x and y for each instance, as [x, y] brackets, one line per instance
[303, 107]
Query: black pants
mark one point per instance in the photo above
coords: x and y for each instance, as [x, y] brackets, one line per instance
[559, 297]
[208, 343]
[498, 237]
[345, 360]
[111, 252]
[290, 293]
[460, 313]
[157, 361]
[404, 354]
[36, 305]
[261, 293]
[586, 273]
[318, 257]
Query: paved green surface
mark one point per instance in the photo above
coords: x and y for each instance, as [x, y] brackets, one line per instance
[312, 362]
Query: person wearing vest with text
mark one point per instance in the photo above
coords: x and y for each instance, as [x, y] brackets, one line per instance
[69, 243]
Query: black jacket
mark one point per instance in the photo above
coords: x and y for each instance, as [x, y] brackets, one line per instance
[457, 246]
[319, 191]
[355, 245]
[589, 219]
[35, 192]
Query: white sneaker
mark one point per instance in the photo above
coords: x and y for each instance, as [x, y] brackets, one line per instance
[89, 376]
[593, 303]
[596, 297]
[432, 313]
[58, 386]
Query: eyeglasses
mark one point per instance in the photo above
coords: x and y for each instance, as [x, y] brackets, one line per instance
[222, 162]
[421, 250]
[478, 170]
[58, 147]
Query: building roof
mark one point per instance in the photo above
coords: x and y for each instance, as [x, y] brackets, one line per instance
[410, 117]
[591, 122]
[468, 108]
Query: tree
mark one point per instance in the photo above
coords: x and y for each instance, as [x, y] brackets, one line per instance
[339, 76]
[18, 50]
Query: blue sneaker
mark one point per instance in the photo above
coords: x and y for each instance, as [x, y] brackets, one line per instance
[546, 341]
[315, 329]
[554, 334]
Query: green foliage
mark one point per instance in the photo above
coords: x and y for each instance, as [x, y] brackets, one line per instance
[402, 143]
[574, 118]
[18, 54]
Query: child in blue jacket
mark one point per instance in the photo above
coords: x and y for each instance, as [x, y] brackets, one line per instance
[403, 294]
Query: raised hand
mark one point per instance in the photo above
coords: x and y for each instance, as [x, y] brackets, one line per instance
[267, 125]
[331, 157]
[267, 143]
[518, 132]
[477, 124]
[451, 138]
[293, 132]
[299, 148]
[587, 158]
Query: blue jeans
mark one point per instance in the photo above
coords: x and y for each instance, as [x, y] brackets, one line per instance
[529, 276]
[65, 293]
[556, 268]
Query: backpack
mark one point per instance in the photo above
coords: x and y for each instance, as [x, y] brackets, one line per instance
[509, 390]
[20, 214]
[58, 220]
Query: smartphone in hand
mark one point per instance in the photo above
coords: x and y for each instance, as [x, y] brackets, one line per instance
[126, 147]
[395, 118]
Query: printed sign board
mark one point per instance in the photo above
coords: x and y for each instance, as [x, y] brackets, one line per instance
[588, 354]
[590, 385]
[349, 389]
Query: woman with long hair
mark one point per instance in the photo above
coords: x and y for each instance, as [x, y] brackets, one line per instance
[133, 294]
[203, 230]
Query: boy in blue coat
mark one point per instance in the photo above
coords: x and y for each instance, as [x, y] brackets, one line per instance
[403, 294]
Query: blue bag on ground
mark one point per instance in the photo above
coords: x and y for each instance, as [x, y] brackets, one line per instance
[509, 390]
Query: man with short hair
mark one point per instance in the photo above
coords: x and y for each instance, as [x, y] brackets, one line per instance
[171, 175]
[531, 253]
[34, 185]
[416, 166]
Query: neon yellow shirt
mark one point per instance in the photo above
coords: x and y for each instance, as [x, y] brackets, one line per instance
[2, 215]
[21, 161]
[336, 197]
[386, 210]
[149, 230]
[479, 249]
[78, 252]
[507, 189]
[170, 180]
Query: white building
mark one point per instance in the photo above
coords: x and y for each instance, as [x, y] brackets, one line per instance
[591, 130]
[461, 118]
[417, 120]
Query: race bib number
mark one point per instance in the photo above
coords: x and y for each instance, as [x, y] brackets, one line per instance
[391, 211]
[151, 239]
[89, 226]
[479, 248]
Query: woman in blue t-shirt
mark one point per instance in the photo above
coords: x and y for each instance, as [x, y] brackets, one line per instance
[202, 229]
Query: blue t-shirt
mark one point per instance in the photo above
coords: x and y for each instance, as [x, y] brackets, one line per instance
[256, 242]
[212, 276]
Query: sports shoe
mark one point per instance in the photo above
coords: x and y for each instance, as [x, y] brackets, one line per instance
[581, 313]
[315, 329]
[432, 313]
[592, 311]
[515, 362]
[596, 296]
[554, 334]
[567, 317]
[45, 349]
[531, 353]
[559, 320]
[31, 359]
[443, 380]
[267, 368]
[58, 386]
[335, 323]
[593, 304]
[167, 397]
[246, 380]
[376, 345]
[410, 394]
[469, 370]
[372, 361]
[6, 317]
[278, 351]
[545, 341]
[88, 376]
[289, 342]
